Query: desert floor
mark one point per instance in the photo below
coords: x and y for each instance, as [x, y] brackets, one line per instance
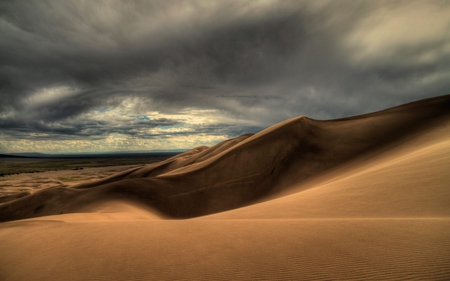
[32, 182]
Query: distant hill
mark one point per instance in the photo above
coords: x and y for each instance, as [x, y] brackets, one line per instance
[24, 154]
[11, 156]
[92, 155]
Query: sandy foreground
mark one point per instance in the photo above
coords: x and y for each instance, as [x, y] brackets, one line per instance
[363, 198]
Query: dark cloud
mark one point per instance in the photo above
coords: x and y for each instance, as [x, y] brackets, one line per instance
[255, 63]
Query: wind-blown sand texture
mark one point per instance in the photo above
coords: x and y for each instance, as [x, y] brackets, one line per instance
[360, 198]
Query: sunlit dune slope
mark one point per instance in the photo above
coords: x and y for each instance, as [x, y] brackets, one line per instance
[389, 249]
[243, 170]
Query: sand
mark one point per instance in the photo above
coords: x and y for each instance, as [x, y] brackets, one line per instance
[361, 198]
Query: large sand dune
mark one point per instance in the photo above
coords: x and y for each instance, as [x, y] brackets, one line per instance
[358, 198]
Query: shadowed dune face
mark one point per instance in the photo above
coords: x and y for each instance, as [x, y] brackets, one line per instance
[242, 170]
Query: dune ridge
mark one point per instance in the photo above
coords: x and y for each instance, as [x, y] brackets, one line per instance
[240, 171]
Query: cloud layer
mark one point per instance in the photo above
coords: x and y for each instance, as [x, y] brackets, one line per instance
[78, 76]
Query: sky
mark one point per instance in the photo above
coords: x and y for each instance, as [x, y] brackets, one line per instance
[103, 76]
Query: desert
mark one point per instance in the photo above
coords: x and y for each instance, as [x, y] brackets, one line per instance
[360, 198]
[224, 140]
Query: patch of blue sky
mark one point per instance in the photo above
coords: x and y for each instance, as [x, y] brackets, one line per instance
[169, 127]
[143, 118]
[102, 110]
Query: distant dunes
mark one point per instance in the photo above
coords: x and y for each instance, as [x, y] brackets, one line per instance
[360, 198]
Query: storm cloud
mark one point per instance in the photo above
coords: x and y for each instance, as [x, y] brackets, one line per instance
[174, 74]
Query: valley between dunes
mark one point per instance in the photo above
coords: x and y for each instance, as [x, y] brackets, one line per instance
[359, 198]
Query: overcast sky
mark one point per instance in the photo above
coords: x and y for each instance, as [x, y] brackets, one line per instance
[96, 76]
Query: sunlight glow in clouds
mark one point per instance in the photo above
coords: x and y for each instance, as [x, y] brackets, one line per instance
[47, 96]
[394, 29]
[112, 143]
[127, 131]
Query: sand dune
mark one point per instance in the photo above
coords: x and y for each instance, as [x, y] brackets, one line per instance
[239, 171]
[360, 198]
